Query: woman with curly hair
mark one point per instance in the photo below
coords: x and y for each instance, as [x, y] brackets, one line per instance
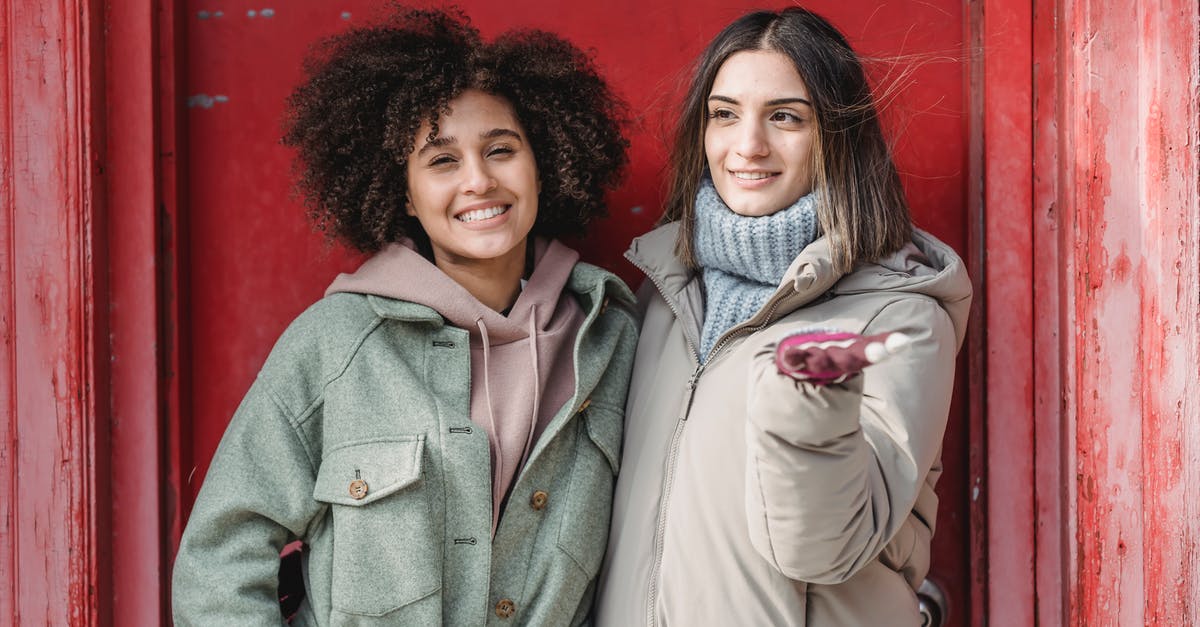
[442, 429]
[777, 469]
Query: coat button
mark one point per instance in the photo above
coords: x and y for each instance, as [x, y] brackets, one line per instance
[538, 500]
[506, 608]
[358, 489]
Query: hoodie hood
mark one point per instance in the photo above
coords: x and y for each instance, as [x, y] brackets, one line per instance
[513, 357]
[398, 271]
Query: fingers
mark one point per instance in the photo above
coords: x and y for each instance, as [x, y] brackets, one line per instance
[892, 344]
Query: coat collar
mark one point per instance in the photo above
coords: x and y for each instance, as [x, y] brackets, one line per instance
[809, 276]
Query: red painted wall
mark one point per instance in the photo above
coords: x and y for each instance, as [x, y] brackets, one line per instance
[255, 263]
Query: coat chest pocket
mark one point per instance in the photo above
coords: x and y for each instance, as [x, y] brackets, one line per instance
[385, 555]
[584, 531]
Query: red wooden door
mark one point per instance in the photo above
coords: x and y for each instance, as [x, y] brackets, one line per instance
[252, 262]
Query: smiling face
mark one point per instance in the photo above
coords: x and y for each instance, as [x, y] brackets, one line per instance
[474, 188]
[760, 131]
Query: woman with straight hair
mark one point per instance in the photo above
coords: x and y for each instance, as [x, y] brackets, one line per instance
[441, 429]
[794, 373]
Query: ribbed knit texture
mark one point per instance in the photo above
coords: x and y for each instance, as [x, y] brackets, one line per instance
[743, 259]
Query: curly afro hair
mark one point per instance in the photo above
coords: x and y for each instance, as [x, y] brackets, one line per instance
[354, 120]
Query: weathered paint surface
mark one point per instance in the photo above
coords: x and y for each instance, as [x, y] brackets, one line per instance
[1126, 206]
[1094, 452]
[1009, 270]
[1050, 328]
[52, 504]
[137, 167]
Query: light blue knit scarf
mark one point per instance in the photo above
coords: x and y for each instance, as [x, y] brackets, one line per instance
[743, 259]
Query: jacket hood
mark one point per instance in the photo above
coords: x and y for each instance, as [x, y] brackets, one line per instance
[925, 266]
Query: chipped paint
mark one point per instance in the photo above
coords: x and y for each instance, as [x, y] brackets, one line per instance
[1136, 216]
[204, 101]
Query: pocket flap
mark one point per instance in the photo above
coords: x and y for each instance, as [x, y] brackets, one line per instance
[604, 426]
[372, 469]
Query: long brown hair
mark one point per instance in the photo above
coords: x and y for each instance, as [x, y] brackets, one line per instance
[860, 202]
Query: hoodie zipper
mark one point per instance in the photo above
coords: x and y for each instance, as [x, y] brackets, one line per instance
[673, 448]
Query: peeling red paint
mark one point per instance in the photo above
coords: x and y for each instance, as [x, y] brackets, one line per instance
[1135, 227]
[54, 468]
[1121, 266]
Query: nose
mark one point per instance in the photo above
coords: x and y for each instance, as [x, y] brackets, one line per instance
[751, 141]
[477, 177]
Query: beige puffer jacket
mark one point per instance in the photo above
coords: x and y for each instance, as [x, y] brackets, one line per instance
[748, 499]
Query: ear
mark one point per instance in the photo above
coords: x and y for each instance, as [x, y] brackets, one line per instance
[408, 206]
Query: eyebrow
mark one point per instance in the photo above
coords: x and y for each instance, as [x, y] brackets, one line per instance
[447, 140]
[770, 103]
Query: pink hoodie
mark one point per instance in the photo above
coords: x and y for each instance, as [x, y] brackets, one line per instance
[522, 365]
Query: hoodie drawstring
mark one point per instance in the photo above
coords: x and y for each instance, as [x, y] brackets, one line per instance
[537, 391]
[493, 433]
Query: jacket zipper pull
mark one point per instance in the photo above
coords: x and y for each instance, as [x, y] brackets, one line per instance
[691, 395]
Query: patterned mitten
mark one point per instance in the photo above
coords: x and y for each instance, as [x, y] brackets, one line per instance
[824, 357]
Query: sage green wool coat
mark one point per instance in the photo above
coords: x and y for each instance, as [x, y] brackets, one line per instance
[374, 389]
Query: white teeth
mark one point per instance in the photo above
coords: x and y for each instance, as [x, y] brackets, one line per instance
[481, 214]
[751, 176]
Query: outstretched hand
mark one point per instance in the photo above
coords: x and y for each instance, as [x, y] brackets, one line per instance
[829, 357]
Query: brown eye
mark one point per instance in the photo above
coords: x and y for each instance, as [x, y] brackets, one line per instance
[786, 117]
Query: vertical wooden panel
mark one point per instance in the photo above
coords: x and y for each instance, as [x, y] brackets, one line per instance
[1051, 269]
[1009, 269]
[8, 359]
[1130, 104]
[976, 344]
[1168, 139]
[172, 250]
[1107, 428]
[133, 93]
[55, 515]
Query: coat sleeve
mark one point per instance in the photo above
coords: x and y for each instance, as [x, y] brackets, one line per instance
[833, 472]
[256, 498]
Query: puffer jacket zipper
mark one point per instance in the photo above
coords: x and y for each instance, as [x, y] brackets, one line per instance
[672, 451]
[673, 447]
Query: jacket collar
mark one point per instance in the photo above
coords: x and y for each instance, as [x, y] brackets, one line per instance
[926, 266]
[809, 276]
